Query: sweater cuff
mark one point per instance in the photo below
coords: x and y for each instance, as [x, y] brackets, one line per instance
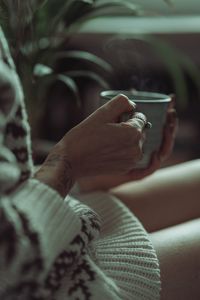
[50, 217]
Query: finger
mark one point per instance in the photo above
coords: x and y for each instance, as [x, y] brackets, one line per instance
[138, 121]
[169, 135]
[172, 122]
[112, 110]
[172, 102]
[137, 174]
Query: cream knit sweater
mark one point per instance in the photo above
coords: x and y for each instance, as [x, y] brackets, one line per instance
[85, 247]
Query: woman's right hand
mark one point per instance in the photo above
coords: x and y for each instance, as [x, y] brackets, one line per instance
[103, 145]
[99, 145]
[107, 182]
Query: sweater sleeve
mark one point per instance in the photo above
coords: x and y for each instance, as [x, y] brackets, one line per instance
[36, 225]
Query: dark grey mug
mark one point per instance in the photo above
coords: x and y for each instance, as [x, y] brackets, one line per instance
[154, 106]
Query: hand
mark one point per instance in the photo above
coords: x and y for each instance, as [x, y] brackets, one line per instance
[99, 145]
[109, 181]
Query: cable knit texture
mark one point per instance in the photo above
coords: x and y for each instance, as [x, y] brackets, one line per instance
[86, 247]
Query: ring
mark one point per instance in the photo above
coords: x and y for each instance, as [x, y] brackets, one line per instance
[148, 125]
[140, 117]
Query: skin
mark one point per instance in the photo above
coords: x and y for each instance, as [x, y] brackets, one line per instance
[167, 203]
[92, 148]
[177, 248]
[168, 200]
[108, 181]
[161, 200]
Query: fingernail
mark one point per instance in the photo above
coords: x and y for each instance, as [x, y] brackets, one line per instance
[132, 103]
[122, 95]
[172, 96]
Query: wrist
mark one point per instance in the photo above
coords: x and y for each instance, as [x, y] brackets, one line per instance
[56, 172]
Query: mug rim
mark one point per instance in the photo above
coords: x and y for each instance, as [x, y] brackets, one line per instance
[159, 97]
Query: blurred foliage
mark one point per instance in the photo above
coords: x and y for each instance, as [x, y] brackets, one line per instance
[39, 32]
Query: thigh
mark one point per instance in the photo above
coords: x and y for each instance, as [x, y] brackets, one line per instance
[168, 197]
[178, 250]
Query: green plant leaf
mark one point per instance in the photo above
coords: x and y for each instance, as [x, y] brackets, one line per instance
[69, 82]
[71, 85]
[71, 11]
[89, 75]
[106, 9]
[129, 6]
[41, 70]
[83, 56]
[111, 11]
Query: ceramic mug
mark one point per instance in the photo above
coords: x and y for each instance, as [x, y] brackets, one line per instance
[154, 106]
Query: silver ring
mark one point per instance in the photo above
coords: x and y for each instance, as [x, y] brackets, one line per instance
[140, 118]
[148, 125]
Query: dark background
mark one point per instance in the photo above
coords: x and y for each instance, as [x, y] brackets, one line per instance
[136, 65]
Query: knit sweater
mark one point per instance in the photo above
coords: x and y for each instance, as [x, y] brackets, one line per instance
[86, 247]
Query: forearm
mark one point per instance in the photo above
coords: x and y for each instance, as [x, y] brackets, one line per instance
[56, 172]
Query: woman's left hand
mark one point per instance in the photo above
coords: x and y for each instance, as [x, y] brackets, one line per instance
[106, 182]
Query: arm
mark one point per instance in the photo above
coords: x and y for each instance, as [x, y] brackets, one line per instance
[33, 218]
[36, 226]
[37, 210]
[93, 149]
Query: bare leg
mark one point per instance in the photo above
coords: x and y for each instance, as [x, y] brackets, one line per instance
[178, 250]
[171, 196]
[168, 197]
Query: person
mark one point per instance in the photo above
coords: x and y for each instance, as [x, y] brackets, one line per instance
[90, 245]
[167, 203]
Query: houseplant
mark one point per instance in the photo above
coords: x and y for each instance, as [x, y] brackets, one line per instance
[39, 35]
[37, 30]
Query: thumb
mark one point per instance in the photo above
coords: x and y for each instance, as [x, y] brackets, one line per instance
[113, 109]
